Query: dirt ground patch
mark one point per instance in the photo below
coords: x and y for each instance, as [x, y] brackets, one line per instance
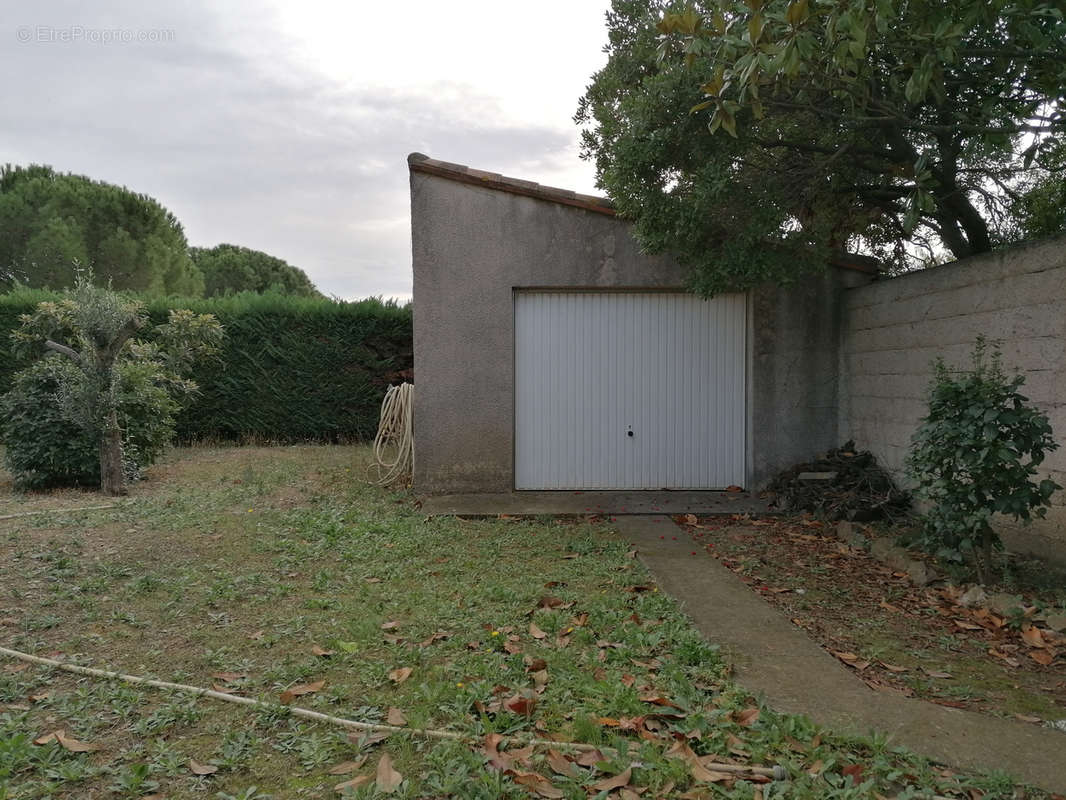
[897, 637]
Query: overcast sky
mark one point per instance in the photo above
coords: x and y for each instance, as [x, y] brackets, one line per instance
[285, 126]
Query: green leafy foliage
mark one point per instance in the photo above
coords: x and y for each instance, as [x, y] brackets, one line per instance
[46, 448]
[1041, 209]
[290, 368]
[109, 375]
[753, 137]
[50, 222]
[229, 269]
[976, 454]
[296, 369]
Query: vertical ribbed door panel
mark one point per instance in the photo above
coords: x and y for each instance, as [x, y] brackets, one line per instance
[629, 390]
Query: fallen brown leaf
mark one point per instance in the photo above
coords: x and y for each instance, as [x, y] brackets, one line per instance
[354, 783]
[659, 700]
[561, 764]
[616, 782]
[935, 673]
[299, 691]
[497, 760]
[66, 742]
[520, 705]
[540, 680]
[346, 767]
[368, 739]
[229, 677]
[1041, 657]
[1033, 637]
[390, 625]
[892, 667]
[321, 651]
[388, 779]
[196, 768]
[540, 785]
[536, 632]
[590, 758]
[749, 716]
[854, 771]
[701, 773]
[436, 637]
[399, 675]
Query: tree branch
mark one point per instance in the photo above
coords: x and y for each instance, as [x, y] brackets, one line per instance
[70, 353]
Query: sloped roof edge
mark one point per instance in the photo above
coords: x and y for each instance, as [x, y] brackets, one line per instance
[419, 162]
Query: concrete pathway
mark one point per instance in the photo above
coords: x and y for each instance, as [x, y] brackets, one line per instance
[593, 502]
[772, 656]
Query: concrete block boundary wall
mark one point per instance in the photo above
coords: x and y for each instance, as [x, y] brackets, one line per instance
[895, 328]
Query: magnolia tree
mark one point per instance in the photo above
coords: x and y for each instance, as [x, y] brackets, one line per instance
[751, 138]
[97, 331]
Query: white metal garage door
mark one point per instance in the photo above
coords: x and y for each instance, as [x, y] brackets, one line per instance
[628, 390]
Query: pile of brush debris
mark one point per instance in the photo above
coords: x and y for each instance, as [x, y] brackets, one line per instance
[843, 484]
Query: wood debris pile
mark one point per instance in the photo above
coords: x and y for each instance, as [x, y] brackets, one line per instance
[843, 484]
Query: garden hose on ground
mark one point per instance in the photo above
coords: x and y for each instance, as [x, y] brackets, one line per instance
[776, 772]
[395, 435]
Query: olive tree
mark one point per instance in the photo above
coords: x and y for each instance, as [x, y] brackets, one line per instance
[96, 330]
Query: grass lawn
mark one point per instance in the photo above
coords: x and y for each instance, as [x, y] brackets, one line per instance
[261, 570]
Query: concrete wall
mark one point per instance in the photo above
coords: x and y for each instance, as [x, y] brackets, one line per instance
[795, 377]
[894, 329]
[473, 246]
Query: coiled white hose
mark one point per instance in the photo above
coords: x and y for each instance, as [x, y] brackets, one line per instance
[395, 435]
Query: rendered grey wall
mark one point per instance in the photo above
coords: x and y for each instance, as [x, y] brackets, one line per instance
[472, 247]
[895, 329]
[794, 389]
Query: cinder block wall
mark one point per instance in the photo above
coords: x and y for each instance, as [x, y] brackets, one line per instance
[894, 329]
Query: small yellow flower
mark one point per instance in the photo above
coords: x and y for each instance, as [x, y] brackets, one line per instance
[459, 685]
[250, 510]
[495, 633]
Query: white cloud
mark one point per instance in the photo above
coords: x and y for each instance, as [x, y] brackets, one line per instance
[287, 129]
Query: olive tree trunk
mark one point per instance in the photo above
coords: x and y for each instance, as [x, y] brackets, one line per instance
[112, 474]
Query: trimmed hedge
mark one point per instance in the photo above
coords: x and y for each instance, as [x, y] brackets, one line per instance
[291, 369]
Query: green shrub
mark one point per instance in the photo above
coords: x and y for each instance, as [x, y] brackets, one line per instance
[976, 454]
[296, 369]
[291, 368]
[45, 448]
